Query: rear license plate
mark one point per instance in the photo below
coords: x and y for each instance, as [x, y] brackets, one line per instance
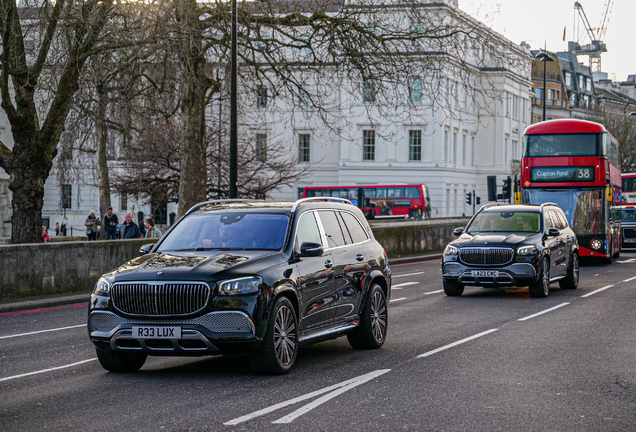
[487, 273]
[154, 332]
[629, 240]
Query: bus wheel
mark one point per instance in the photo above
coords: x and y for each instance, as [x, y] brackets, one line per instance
[608, 260]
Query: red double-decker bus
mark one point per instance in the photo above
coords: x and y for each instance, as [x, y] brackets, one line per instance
[388, 201]
[576, 164]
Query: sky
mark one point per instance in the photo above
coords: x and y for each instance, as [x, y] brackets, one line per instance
[541, 22]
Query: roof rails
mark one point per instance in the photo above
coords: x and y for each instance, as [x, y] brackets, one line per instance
[306, 200]
[485, 206]
[548, 204]
[219, 202]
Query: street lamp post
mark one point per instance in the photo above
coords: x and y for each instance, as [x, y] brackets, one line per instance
[545, 58]
[233, 111]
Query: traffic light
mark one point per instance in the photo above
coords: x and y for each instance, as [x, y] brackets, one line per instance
[469, 198]
[477, 200]
[492, 188]
[507, 189]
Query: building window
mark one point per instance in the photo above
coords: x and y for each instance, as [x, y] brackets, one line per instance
[368, 145]
[368, 90]
[415, 145]
[261, 97]
[261, 147]
[539, 93]
[464, 148]
[123, 203]
[581, 82]
[568, 79]
[505, 161]
[415, 89]
[417, 30]
[472, 151]
[304, 98]
[588, 85]
[446, 132]
[66, 193]
[515, 150]
[304, 147]
[454, 147]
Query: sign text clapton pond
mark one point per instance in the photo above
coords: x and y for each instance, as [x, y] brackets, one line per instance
[562, 174]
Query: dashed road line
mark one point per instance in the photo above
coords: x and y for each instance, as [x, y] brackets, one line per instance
[397, 299]
[459, 342]
[361, 379]
[405, 275]
[47, 370]
[597, 291]
[543, 312]
[404, 284]
[433, 292]
[630, 279]
[42, 331]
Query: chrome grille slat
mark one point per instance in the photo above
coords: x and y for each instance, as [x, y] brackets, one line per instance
[486, 256]
[160, 298]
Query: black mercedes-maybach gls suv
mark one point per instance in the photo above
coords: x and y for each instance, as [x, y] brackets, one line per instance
[513, 246]
[246, 277]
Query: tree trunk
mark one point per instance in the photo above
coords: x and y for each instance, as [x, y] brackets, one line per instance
[102, 163]
[193, 180]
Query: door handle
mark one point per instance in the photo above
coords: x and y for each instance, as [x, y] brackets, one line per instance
[360, 257]
[328, 264]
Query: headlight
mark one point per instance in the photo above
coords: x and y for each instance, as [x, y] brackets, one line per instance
[596, 244]
[102, 287]
[527, 250]
[246, 285]
[451, 250]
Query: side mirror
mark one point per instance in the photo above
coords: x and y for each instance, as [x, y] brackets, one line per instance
[145, 249]
[553, 232]
[458, 231]
[311, 249]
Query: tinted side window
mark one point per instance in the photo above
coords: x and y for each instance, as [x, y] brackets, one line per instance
[564, 221]
[355, 229]
[548, 221]
[555, 220]
[307, 230]
[332, 229]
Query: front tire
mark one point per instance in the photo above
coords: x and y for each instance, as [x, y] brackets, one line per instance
[374, 321]
[571, 280]
[452, 289]
[541, 288]
[277, 352]
[120, 362]
[610, 250]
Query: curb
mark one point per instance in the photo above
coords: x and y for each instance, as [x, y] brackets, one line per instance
[44, 303]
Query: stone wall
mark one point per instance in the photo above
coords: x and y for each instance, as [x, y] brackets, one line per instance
[66, 267]
[74, 266]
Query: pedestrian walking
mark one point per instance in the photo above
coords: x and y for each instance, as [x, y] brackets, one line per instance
[151, 230]
[92, 224]
[110, 224]
[129, 229]
[45, 235]
[57, 229]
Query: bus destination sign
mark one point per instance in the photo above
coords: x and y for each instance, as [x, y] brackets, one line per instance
[562, 174]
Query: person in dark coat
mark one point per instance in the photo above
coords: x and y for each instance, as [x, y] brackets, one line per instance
[129, 229]
[110, 224]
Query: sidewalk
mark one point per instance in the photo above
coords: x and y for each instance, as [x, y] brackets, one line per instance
[69, 299]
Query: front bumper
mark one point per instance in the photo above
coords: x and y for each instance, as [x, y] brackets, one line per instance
[515, 274]
[207, 334]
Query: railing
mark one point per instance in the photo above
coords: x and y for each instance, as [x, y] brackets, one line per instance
[556, 103]
[550, 76]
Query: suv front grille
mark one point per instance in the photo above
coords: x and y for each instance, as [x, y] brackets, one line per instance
[160, 298]
[486, 256]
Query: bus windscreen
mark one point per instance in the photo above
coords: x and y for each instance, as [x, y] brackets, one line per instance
[562, 145]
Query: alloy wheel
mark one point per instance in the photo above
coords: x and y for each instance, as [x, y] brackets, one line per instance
[285, 335]
[378, 315]
[546, 276]
[575, 268]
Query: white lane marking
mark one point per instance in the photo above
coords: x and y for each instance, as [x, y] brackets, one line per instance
[301, 398]
[305, 409]
[405, 275]
[630, 279]
[459, 342]
[42, 331]
[631, 260]
[597, 291]
[397, 299]
[404, 284]
[47, 370]
[433, 292]
[542, 312]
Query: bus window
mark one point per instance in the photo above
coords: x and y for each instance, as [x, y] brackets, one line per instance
[393, 193]
[369, 193]
[411, 192]
[562, 145]
[380, 192]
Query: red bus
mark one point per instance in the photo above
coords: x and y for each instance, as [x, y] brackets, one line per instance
[410, 201]
[628, 194]
[576, 164]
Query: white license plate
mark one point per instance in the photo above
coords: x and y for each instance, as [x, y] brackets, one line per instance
[487, 273]
[154, 332]
[629, 240]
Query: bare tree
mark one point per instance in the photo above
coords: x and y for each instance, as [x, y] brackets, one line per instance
[623, 127]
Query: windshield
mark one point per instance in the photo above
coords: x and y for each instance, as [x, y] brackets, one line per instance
[628, 215]
[227, 231]
[491, 221]
[582, 207]
[562, 145]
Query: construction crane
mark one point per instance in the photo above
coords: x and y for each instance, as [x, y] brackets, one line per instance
[596, 46]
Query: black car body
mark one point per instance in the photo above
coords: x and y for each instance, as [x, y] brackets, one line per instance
[289, 274]
[513, 246]
[627, 216]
